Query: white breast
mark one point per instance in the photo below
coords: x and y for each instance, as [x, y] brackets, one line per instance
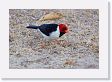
[53, 35]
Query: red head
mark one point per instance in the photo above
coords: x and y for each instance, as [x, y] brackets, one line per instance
[63, 28]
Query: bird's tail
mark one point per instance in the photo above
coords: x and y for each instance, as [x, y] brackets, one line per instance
[32, 27]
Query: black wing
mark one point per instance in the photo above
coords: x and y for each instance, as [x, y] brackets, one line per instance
[48, 28]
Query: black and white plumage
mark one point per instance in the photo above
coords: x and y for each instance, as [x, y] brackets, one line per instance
[51, 31]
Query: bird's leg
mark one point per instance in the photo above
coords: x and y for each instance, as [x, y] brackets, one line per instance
[62, 42]
[65, 43]
[42, 45]
[55, 41]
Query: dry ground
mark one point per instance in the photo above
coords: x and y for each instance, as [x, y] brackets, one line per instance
[78, 49]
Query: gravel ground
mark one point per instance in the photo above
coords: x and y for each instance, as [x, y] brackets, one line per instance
[78, 49]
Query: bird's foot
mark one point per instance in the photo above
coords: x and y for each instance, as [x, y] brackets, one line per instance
[55, 42]
[44, 44]
[61, 42]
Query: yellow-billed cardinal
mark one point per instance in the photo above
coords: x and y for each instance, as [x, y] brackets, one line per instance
[51, 31]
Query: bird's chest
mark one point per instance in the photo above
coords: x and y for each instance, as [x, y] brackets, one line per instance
[51, 35]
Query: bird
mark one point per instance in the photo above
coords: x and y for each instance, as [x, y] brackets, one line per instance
[51, 31]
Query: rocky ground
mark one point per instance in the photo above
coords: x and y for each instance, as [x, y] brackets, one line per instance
[78, 49]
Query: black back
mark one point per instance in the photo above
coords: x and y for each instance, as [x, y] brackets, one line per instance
[48, 28]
